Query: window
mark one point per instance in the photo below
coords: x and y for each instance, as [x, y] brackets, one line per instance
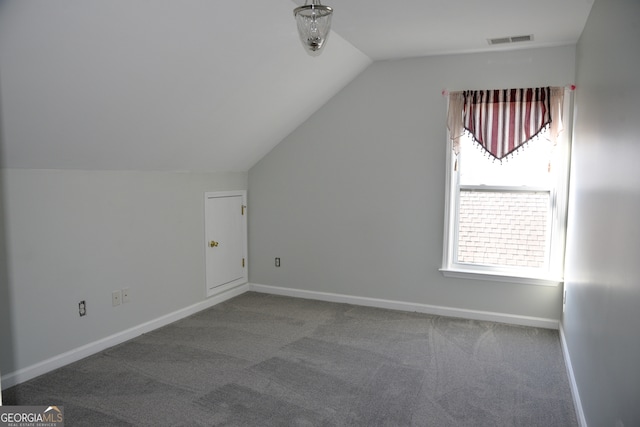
[505, 219]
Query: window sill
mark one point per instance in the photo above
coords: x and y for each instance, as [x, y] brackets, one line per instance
[494, 276]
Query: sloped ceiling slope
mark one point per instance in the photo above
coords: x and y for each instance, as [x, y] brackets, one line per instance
[194, 85]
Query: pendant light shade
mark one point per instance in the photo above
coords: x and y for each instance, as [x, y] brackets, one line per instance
[314, 23]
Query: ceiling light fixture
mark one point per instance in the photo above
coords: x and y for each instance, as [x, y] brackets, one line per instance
[314, 23]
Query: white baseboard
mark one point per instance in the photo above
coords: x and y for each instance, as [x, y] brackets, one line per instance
[76, 354]
[582, 421]
[407, 306]
[25, 374]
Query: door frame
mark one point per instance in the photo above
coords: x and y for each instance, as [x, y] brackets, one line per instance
[245, 275]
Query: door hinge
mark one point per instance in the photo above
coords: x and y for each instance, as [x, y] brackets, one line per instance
[242, 262]
[243, 208]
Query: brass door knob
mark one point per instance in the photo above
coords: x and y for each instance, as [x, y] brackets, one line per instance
[213, 244]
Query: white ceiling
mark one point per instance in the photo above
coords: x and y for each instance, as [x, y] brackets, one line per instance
[205, 85]
[409, 28]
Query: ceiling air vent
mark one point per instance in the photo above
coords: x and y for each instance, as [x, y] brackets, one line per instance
[512, 39]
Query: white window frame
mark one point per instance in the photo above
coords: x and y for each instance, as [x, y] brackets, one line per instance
[552, 274]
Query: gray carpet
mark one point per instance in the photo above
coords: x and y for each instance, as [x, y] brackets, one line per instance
[265, 360]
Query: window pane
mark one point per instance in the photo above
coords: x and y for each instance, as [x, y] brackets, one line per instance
[506, 229]
[529, 167]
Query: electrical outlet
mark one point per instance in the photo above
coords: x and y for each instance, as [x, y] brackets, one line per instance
[126, 295]
[116, 298]
[82, 308]
[277, 262]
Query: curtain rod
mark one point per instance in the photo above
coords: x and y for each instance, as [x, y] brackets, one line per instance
[571, 87]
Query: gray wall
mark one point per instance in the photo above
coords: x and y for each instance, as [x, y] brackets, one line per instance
[353, 200]
[79, 235]
[602, 316]
[6, 338]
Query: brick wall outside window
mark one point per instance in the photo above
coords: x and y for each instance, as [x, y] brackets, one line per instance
[503, 228]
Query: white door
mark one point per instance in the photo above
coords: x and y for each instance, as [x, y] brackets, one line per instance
[225, 240]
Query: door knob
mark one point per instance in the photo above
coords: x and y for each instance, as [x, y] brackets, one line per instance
[213, 244]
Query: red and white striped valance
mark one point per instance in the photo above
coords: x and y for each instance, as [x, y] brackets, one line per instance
[501, 121]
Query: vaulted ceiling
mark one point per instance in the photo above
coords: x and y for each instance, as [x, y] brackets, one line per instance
[204, 85]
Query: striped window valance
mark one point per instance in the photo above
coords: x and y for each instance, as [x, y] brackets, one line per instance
[503, 120]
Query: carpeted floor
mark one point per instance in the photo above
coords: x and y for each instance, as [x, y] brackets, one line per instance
[265, 360]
